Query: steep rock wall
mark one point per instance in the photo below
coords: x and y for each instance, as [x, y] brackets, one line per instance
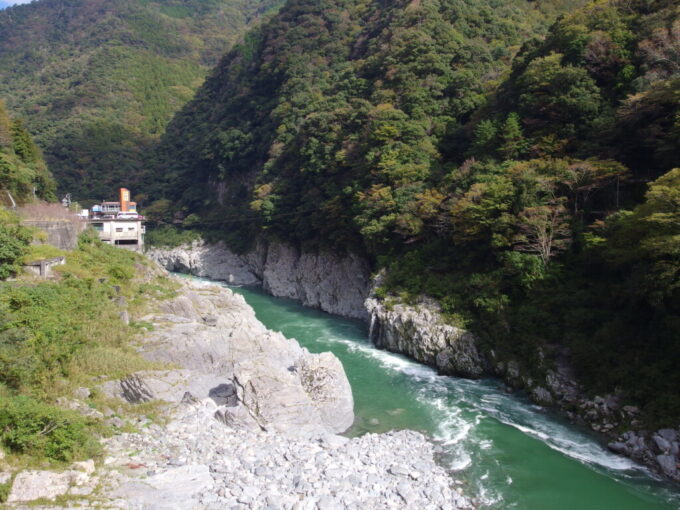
[332, 283]
[213, 261]
[420, 332]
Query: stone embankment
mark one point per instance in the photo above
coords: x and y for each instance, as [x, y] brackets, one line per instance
[251, 422]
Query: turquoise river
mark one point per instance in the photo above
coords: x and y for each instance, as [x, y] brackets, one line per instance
[509, 453]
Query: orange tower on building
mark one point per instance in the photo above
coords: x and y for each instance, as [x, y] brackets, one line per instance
[124, 199]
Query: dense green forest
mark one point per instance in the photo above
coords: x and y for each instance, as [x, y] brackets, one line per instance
[23, 171]
[98, 80]
[24, 178]
[514, 164]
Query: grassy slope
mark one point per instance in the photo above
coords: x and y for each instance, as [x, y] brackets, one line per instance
[59, 335]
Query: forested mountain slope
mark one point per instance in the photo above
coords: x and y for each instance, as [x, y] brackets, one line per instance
[23, 172]
[481, 157]
[307, 98]
[97, 80]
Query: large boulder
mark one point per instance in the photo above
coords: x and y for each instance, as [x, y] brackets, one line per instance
[173, 489]
[310, 397]
[32, 485]
[326, 384]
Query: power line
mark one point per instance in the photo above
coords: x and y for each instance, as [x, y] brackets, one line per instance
[241, 219]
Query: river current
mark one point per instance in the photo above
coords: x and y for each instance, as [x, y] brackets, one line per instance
[509, 452]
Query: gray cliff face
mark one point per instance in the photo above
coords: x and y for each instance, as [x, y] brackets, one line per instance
[420, 332]
[332, 283]
[259, 379]
[322, 280]
[206, 260]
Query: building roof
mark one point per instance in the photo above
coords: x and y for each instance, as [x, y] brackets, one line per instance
[101, 220]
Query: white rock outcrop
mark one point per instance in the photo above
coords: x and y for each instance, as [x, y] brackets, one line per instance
[32, 485]
[227, 355]
[333, 283]
[173, 489]
[322, 378]
[419, 331]
[212, 261]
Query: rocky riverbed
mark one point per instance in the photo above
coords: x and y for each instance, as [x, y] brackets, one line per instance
[341, 285]
[250, 421]
[196, 462]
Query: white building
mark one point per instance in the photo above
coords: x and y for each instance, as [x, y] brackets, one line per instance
[118, 223]
[126, 233]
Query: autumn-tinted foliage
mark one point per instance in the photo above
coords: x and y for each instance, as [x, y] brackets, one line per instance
[346, 105]
[480, 153]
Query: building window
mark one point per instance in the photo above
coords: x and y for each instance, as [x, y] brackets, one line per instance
[99, 227]
[119, 229]
[131, 228]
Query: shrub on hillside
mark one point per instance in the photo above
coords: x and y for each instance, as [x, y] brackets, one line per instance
[14, 241]
[28, 426]
[169, 236]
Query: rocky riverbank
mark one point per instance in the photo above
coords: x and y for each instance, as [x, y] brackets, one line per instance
[251, 421]
[323, 280]
[342, 286]
[196, 462]
[420, 331]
